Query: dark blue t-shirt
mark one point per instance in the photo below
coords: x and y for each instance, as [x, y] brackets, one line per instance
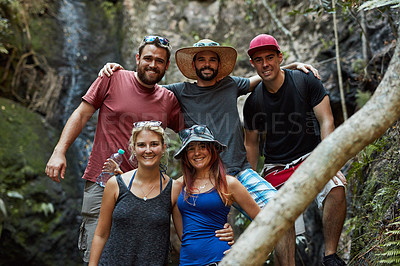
[287, 116]
[216, 107]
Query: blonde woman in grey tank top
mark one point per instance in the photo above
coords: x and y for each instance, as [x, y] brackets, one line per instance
[134, 222]
[133, 227]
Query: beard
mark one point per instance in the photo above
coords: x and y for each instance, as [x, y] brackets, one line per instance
[146, 79]
[206, 78]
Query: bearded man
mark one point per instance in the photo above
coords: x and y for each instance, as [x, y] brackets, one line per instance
[122, 99]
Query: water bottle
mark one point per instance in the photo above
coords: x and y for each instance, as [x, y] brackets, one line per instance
[108, 172]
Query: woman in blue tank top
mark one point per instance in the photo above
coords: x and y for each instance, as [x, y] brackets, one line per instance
[207, 194]
[134, 222]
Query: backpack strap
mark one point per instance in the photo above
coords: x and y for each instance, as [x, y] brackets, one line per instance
[300, 83]
[259, 106]
[259, 97]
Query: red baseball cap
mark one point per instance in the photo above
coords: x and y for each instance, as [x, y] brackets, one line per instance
[263, 42]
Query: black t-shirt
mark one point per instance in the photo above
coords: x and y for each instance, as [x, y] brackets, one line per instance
[287, 116]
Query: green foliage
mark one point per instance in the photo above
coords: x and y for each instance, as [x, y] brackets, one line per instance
[6, 7]
[111, 9]
[174, 169]
[22, 154]
[27, 33]
[321, 7]
[358, 66]
[44, 207]
[32, 205]
[384, 196]
[5, 32]
[362, 97]
[390, 247]
[371, 199]
[327, 44]
[364, 158]
[251, 10]
[285, 55]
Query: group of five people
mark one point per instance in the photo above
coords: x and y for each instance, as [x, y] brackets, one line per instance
[218, 164]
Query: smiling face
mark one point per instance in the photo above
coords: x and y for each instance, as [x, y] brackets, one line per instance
[206, 65]
[152, 64]
[267, 63]
[148, 148]
[199, 156]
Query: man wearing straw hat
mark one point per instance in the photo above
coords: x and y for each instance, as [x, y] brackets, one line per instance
[212, 101]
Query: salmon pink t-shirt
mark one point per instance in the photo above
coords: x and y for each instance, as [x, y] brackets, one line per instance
[121, 101]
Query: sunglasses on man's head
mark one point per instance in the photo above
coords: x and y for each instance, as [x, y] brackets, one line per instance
[202, 44]
[152, 38]
[199, 130]
[145, 123]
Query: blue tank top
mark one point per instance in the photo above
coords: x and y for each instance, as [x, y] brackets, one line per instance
[202, 214]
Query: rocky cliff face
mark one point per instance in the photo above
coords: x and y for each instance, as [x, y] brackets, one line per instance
[76, 43]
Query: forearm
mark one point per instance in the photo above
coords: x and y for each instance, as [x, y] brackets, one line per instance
[177, 218]
[96, 250]
[291, 66]
[326, 128]
[252, 155]
[323, 113]
[251, 143]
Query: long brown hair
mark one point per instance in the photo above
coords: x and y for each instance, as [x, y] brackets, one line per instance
[217, 170]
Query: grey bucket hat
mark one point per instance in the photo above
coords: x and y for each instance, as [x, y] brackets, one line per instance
[197, 133]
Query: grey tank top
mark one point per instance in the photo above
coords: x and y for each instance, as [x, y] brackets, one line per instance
[140, 229]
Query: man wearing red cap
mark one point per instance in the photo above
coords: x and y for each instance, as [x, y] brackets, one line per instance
[292, 108]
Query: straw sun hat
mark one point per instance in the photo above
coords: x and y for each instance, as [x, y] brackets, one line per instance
[227, 55]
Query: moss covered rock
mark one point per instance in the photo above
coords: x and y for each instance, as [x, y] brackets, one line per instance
[42, 217]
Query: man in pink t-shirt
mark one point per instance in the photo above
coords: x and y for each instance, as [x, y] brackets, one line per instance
[122, 99]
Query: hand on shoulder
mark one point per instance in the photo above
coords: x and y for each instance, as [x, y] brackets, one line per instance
[109, 68]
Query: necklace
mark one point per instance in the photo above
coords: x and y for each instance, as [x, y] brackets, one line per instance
[203, 186]
[194, 196]
[194, 200]
[199, 189]
[146, 194]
